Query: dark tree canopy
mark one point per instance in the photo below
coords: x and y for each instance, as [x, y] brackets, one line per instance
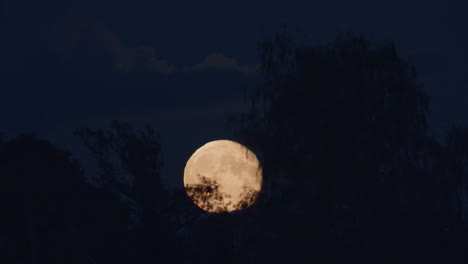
[208, 195]
[130, 164]
[41, 188]
[341, 129]
[351, 174]
[351, 95]
[136, 154]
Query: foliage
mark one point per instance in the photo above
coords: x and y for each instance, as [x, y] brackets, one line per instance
[208, 196]
[342, 133]
[41, 189]
[350, 174]
[138, 153]
[457, 167]
[130, 163]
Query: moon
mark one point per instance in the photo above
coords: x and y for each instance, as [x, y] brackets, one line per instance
[223, 176]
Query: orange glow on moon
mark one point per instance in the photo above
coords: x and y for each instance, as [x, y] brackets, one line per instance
[223, 176]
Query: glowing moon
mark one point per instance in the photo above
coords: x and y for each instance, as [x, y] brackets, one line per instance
[223, 176]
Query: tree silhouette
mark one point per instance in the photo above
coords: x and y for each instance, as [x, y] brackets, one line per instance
[457, 167]
[136, 153]
[207, 195]
[41, 188]
[248, 197]
[350, 174]
[130, 166]
[342, 134]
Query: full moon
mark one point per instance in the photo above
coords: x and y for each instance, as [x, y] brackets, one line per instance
[223, 176]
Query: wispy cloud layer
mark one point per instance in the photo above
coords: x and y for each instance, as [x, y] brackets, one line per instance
[221, 61]
[86, 37]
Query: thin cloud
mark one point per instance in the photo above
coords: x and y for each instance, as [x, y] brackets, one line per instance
[84, 36]
[221, 61]
[144, 59]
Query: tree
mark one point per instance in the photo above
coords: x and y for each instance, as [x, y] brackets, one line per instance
[342, 133]
[130, 166]
[41, 188]
[135, 154]
[207, 195]
[457, 167]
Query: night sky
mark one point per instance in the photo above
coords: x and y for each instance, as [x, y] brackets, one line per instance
[182, 66]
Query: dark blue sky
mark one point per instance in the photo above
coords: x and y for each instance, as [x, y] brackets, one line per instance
[189, 61]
